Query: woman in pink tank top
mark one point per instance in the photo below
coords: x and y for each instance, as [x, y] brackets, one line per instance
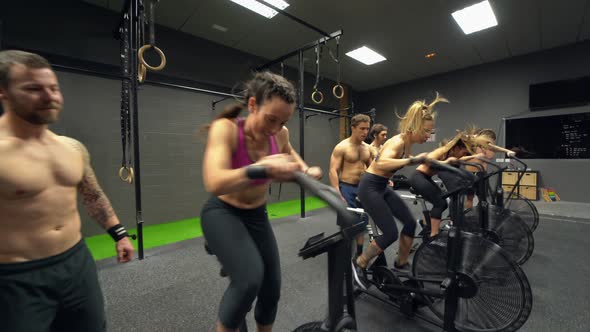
[242, 156]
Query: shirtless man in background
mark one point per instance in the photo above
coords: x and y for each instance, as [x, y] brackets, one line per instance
[350, 158]
[48, 279]
[378, 137]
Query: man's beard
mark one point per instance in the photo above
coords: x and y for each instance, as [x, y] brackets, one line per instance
[39, 117]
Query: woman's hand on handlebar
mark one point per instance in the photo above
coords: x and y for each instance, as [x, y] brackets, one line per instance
[315, 172]
[279, 167]
[419, 159]
[451, 161]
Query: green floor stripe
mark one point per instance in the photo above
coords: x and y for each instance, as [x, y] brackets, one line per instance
[102, 246]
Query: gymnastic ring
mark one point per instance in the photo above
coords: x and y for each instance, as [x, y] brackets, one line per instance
[141, 73]
[160, 53]
[315, 93]
[126, 177]
[335, 89]
[131, 175]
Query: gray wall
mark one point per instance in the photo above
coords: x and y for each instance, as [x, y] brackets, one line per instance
[171, 150]
[485, 94]
[171, 147]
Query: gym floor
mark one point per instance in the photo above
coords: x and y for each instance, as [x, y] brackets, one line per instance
[177, 287]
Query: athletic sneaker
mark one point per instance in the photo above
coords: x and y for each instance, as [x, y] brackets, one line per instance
[415, 245]
[359, 274]
[429, 238]
[406, 267]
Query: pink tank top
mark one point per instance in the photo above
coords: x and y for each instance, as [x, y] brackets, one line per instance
[241, 158]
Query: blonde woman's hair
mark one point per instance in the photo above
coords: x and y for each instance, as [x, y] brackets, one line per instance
[464, 140]
[417, 113]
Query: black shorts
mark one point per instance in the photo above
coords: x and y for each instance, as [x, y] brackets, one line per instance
[57, 293]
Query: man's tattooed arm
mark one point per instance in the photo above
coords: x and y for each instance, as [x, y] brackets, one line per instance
[93, 197]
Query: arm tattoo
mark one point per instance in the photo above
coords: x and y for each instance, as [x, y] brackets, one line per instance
[93, 197]
[96, 201]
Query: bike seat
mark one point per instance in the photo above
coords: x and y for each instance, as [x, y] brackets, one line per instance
[415, 193]
[319, 244]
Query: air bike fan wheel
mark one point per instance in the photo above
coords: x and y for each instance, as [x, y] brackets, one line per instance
[500, 298]
[505, 228]
[524, 208]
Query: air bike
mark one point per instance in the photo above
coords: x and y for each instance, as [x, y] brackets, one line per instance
[494, 222]
[501, 225]
[467, 282]
[341, 314]
[511, 200]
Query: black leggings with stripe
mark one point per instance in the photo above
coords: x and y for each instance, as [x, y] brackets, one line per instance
[244, 243]
[425, 186]
[382, 204]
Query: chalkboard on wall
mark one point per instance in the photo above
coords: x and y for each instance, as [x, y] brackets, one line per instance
[564, 136]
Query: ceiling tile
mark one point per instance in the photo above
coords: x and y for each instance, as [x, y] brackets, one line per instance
[402, 31]
[202, 21]
[560, 21]
[174, 14]
[490, 44]
[519, 21]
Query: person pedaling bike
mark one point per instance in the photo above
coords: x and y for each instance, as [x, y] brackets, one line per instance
[484, 141]
[379, 200]
[449, 151]
[242, 157]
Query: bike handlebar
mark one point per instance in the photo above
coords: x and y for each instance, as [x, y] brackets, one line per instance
[476, 165]
[499, 169]
[437, 165]
[328, 195]
[489, 162]
[525, 167]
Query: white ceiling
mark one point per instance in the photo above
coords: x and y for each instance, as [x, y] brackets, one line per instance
[401, 30]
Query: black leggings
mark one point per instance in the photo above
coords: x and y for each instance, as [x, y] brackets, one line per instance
[244, 243]
[424, 186]
[382, 204]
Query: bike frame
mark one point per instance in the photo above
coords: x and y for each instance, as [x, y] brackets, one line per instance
[449, 285]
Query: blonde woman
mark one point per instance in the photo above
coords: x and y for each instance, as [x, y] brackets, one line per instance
[459, 148]
[378, 199]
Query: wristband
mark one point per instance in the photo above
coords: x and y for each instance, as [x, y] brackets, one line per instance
[256, 172]
[117, 232]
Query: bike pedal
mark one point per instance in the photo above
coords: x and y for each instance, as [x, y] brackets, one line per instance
[407, 305]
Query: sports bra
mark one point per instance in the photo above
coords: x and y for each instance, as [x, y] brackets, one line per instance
[241, 158]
